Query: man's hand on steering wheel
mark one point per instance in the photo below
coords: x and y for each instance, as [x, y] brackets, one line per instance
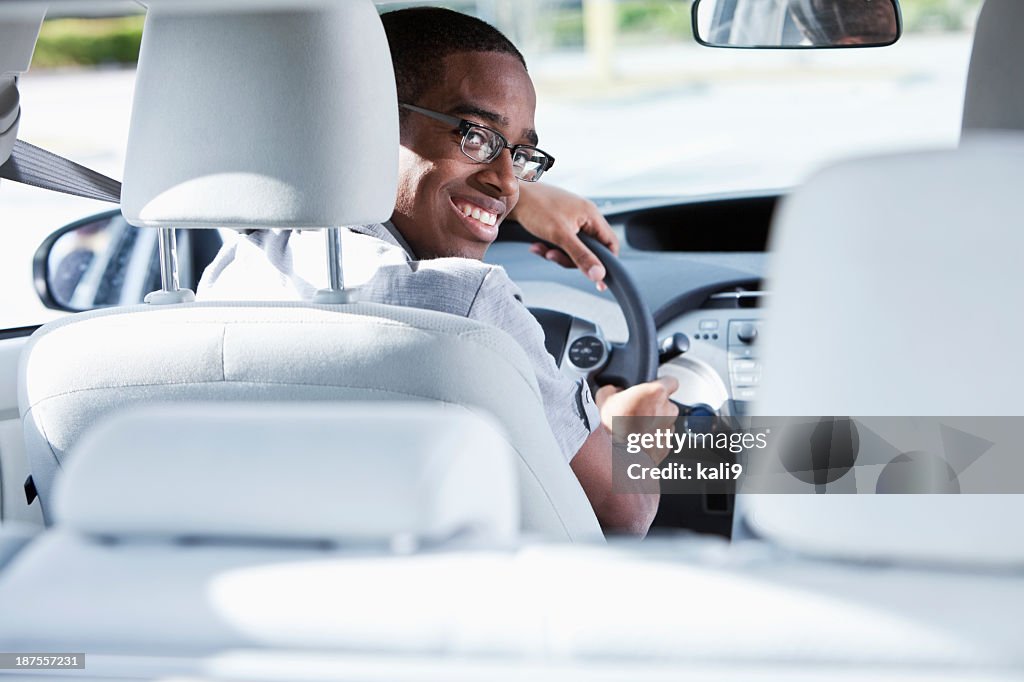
[651, 399]
[559, 217]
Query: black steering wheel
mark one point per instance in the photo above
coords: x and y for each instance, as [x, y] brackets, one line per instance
[580, 342]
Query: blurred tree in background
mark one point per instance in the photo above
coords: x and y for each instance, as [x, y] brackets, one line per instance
[921, 16]
[88, 42]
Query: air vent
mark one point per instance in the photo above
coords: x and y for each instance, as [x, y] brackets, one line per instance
[738, 297]
[720, 225]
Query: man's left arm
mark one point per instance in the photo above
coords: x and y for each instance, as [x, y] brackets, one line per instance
[559, 216]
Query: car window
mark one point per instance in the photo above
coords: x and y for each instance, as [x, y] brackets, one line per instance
[76, 101]
[628, 103]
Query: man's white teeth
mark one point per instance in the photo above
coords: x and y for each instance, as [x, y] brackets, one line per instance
[477, 214]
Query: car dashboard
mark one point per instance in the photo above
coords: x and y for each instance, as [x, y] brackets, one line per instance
[699, 266]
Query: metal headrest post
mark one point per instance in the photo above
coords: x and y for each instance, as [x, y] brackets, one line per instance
[169, 292]
[335, 291]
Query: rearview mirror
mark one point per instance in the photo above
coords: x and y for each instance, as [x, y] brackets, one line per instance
[796, 23]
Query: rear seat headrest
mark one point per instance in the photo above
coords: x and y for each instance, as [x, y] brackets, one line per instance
[335, 472]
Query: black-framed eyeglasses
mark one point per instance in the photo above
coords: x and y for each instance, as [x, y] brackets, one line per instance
[483, 145]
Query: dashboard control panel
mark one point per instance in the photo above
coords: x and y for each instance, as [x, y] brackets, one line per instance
[723, 354]
[744, 367]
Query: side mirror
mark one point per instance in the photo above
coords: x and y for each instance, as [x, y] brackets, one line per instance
[770, 24]
[103, 261]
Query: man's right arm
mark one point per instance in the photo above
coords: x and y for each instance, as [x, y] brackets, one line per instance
[621, 511]
[497, 303]
[617, 512]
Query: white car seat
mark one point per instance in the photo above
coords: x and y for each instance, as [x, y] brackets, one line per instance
[166, 561]
[167, 502]
[895, 286]
[909, 377]
[77, 369]
[281, 118]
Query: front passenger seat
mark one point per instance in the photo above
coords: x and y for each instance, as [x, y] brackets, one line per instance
[908, 267]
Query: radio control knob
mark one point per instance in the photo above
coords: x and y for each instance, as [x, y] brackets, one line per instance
[747, 333]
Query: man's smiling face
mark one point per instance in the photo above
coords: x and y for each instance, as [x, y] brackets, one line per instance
[437, 183]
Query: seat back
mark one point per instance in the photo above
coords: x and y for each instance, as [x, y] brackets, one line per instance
[79, 369]
[896, 284]
[164, 511]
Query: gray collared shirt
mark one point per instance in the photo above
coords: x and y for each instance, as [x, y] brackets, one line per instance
[292, 265]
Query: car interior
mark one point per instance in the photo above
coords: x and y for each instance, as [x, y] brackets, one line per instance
[333, 489]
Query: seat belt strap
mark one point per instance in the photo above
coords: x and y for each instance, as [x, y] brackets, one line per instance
[31, 165]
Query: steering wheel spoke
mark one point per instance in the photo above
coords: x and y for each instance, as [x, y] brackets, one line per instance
[619, 368]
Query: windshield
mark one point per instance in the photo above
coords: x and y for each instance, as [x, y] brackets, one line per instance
[629, 104]
[646, 111]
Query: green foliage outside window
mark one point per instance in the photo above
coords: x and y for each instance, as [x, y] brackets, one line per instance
[88, 42]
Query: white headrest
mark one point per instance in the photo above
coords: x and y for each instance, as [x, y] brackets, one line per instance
[19, 28]
[347, 472]
[895, 287]
[262, 118]
[995, 82]
[894, 284]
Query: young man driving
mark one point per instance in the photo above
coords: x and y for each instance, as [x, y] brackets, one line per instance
[468, 150]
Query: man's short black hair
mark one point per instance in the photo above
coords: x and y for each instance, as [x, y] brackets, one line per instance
[421, 37]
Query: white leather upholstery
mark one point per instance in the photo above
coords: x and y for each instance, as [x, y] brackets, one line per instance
[995, 83]
[336, 472]
[13, 538]
[895, 287]
[262, 118]
[673, 606]
[78, 369]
